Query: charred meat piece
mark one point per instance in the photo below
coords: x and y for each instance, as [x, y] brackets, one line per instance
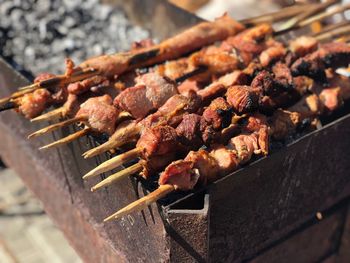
[151, 92]
[303, 45]
[101, 114]
[194, 131]
[33, 104]
[243, 99]
[283, 123]
[218, 113]
[330, 55]
[283, 76]
[264, 80]
[272, 54]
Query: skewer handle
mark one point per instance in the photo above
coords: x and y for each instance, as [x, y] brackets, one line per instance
[142, 203]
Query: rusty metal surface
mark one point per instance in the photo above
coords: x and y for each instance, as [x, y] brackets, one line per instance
[242, 214]
[264, 201]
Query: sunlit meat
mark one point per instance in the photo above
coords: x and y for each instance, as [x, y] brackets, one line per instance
[218, 113]
[331, 98]
[150, 92]
[194, 131]
[101, 114]
[158, 141]
[303, 45]
[272, 54]
[242, 98]
[330, 55]
[85, 85]
[33, 104]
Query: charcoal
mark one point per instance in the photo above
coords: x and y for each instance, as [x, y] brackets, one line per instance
[37, 35]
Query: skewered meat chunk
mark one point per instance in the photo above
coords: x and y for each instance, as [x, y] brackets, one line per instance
[101, 114]
[181, 175]
[330, 55]
[188, 86]
[218, 113]
[219, 63]
[331, 98]
[194, 131]
[303, 45]
[150, 92]
[58, 95]
[265, 81]
[284, 123]
[86, 84]
[283, 75]
[242, 98]
[157, 140]
[202, 167]
[32, 104]
[219, 87]
[272, 54]
[202, 34]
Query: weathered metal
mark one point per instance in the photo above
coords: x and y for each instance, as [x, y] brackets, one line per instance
[237, 218]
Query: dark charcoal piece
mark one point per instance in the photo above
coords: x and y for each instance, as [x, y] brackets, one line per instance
[40, 34]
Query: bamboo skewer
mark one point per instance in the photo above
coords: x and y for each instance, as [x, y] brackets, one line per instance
[67, 139]
[277, 16]
[321, 16]
[51, 115]
[294, 22]
[142, 203]
[56, 126]
[125, 134]
[114, 162]
[133, 169]
[337, 32]
[55, 81]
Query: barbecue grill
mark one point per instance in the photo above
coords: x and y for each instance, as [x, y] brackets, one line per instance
[252, 214]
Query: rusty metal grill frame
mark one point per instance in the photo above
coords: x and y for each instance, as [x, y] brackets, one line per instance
[268, 190]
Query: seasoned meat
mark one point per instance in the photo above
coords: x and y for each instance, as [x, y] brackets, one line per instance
[188, 86]
[303, 45]
[265, 81]
[33, 104]
[284, 123]
[218, 113]
[283, 76]
[219, 63]
[158, 140]
[330, 55]
[205, 164]
[102, 115]
[245, 145]
[226, 159]
[150, 93]
[272, 54]
[180, 174]
[332, 98]
[86, 84]
[242, 98]
[192, 129]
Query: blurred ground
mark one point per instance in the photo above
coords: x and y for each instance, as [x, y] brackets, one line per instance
[26, 233]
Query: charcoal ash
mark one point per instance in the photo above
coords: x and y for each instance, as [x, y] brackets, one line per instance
[37, 35]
